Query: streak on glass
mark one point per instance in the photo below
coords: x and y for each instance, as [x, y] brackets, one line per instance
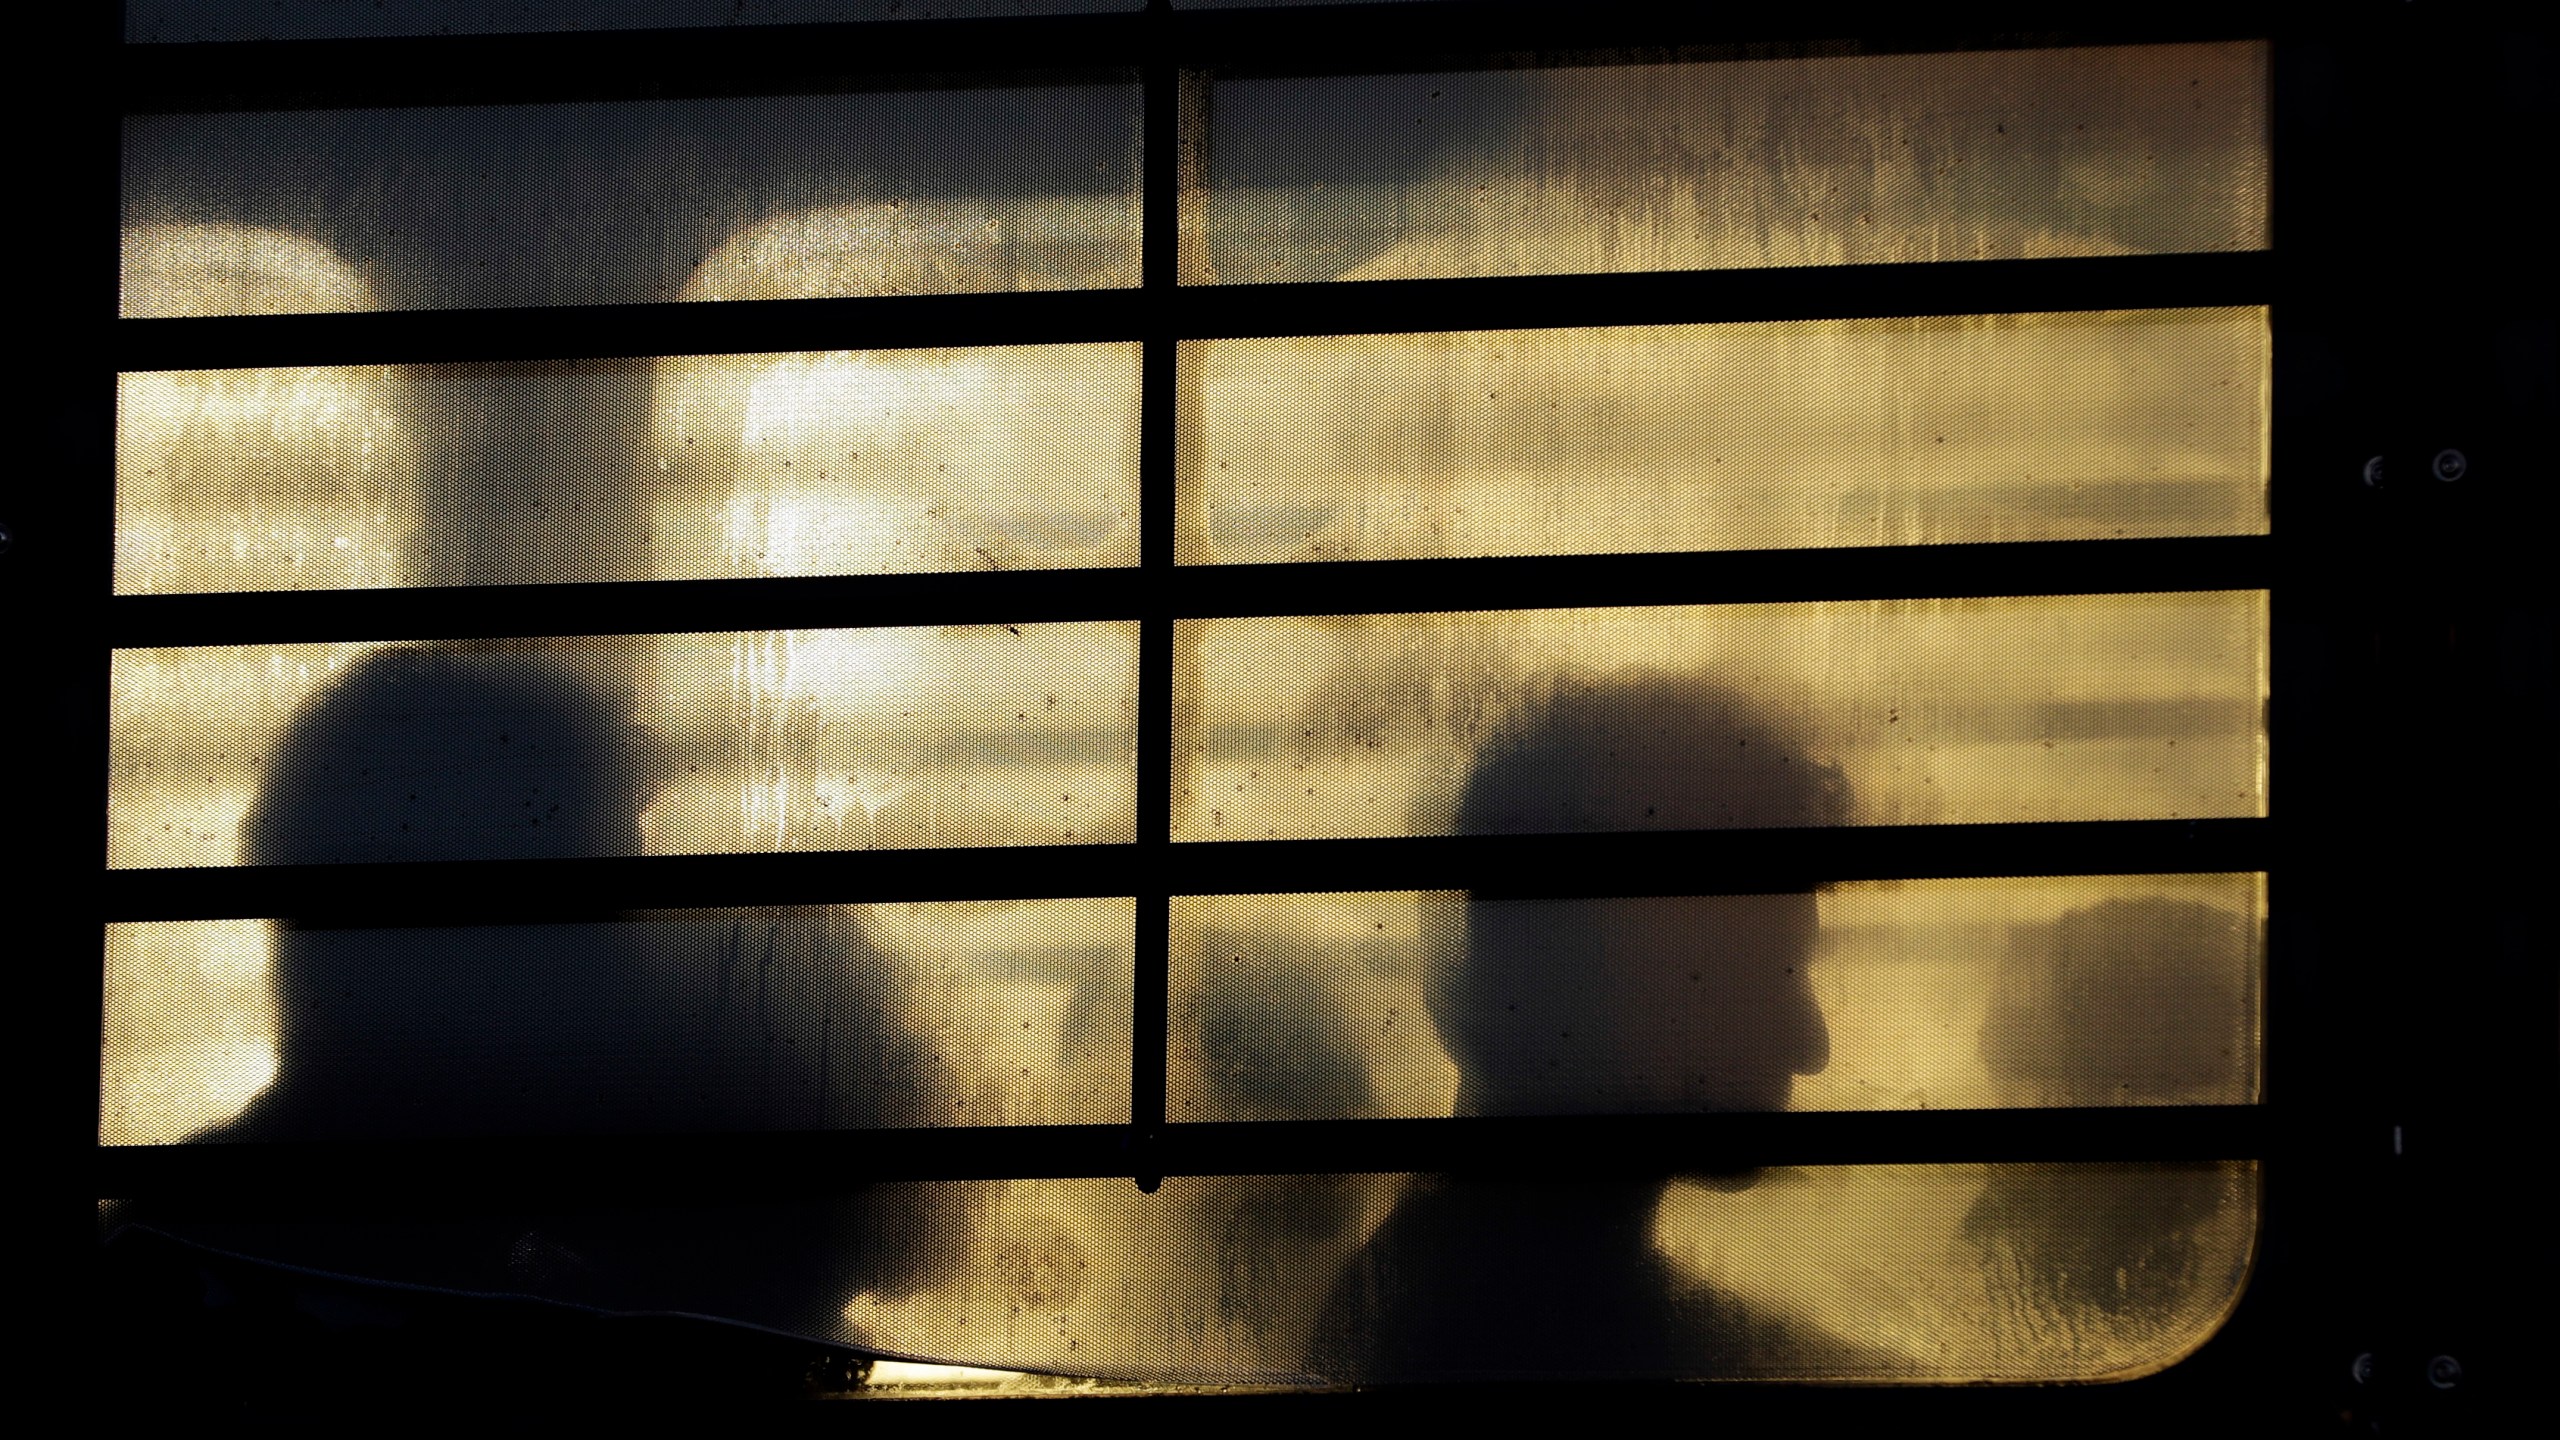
[680, 744]
[1835, 160]
[850, 462]
[922, 192]
[1001, 1013]
[1937, 994]
[1730, 437]
[2084, 707]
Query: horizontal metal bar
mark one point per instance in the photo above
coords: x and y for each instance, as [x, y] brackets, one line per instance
[1812, 292]
[2075, 567]
[652, 1168]
[641, 64]
[1808, 292]
[463, 892]
[594, 332]
[617, 64]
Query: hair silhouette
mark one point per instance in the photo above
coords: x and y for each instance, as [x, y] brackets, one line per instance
[1612, 1005]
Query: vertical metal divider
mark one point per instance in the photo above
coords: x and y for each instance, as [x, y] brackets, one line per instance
[1160, 138]
[64, 561]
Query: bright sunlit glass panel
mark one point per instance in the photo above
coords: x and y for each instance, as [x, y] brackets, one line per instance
[1728, 437]
[1831, 160]
[644, 745]
[2082, 707]
[1872, 995]
[440, 207]
[838, 1017]
[700, 467]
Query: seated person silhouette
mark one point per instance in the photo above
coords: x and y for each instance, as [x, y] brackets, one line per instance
[1612, 1006]
[2132, 1001]
[602, 1024]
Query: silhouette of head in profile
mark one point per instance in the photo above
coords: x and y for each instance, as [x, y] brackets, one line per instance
[1605, 1006]
[1637, 1004]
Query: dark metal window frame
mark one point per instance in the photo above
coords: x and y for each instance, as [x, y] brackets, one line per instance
[2315, 1132]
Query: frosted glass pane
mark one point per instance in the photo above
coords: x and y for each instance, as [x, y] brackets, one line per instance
[1009, 1013]
[926, 192]
[2084, 707]
[696, 467]
[1900, 995]
[905, 460]
[1728, 437]
[170, 21]
[680, 744]
[1737, 164]
[1921, 1273]
[1945, 1274]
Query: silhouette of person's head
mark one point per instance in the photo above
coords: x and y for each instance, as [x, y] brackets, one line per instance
[1650, 1003]
[2132, 1000]
[419, 755]
[2144, 1000]
[597, 1023]
[1625, 1004]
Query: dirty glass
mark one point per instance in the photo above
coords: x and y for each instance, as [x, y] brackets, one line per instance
[1915, 995]
[642, 745]
[1728, 437]
[1710, 165]
[697, 467]
[179, 21]
[2082, 707]
[806, 1018]
[1906, 1273]
[767, 197]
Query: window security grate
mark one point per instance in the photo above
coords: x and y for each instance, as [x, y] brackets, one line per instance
[1178, 79]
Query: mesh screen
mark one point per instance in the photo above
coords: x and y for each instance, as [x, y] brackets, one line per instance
[1728, 437]
[1875, 995]
[921, 192]
[2094, 707]
[1717, 165]
[677, 744]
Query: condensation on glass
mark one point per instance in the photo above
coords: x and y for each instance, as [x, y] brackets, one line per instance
[982, 1013]
[1927, 995]
[1914, 1274]
[696, 467]
[677, 744]
[438, 207]
[1830, 160]
[2083, 707]
[1727, 437]
[182, 21]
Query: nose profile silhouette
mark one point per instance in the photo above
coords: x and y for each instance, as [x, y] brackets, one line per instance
[1618, 1005]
